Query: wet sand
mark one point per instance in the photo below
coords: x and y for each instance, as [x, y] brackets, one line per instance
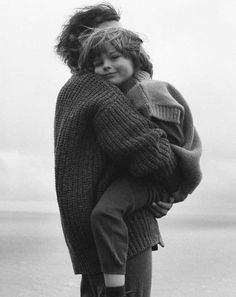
[198, 260]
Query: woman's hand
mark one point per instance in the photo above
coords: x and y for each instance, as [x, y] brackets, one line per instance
[161, 208]
[179, 196]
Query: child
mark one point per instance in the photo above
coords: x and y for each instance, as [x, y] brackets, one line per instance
[117, 55]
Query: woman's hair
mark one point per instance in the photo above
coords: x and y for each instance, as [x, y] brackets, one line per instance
[126, 42]
[68, 47]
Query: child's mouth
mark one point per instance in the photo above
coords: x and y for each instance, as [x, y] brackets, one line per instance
[109, 75]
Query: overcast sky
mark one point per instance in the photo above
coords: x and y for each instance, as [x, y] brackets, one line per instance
[192, 45]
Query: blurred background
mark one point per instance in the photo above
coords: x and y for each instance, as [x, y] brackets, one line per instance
[192, 45]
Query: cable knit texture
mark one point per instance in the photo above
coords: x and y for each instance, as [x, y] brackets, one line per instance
[98, 134]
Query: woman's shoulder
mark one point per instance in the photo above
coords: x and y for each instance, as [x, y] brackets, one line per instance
[89, 81]
[77, 81]
[92, 90]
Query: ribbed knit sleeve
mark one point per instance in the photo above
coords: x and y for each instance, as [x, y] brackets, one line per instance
[127, 137]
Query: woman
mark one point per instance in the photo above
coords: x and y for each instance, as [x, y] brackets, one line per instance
[98, 137]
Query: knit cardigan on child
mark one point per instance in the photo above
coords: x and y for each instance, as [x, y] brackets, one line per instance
[98, 134]
[160, 100]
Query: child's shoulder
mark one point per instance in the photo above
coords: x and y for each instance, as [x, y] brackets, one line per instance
[157, 89]
[162, 90]
[156, 85]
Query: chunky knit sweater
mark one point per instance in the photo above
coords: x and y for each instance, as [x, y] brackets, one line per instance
[98, 134]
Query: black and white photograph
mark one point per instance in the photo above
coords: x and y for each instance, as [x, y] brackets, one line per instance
[118, 148]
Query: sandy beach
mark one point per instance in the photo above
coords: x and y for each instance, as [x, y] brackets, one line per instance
[198, 260]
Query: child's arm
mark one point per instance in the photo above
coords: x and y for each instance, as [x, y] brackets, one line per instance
[150, 99]
[162, 103]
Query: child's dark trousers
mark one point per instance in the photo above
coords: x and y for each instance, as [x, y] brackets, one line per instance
[122, 198]
[138, 278]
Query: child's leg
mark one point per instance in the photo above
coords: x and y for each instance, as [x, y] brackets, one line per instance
[138, 278]
[122, 198]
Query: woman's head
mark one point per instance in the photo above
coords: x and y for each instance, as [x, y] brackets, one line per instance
[113, 50]
[68, 47]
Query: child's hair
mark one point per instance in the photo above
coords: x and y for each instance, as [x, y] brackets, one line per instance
[68, 47]
[126, 42]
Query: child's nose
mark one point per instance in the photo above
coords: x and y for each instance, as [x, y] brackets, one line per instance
[106, 65]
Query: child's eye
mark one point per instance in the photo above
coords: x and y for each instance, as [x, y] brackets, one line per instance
[115, 56]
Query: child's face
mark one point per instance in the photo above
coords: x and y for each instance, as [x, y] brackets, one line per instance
[113, 66]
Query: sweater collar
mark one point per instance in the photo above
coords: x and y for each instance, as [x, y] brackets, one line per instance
[138, 77]
[141, 75]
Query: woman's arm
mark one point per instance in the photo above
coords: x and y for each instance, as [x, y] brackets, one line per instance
[128, 138]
